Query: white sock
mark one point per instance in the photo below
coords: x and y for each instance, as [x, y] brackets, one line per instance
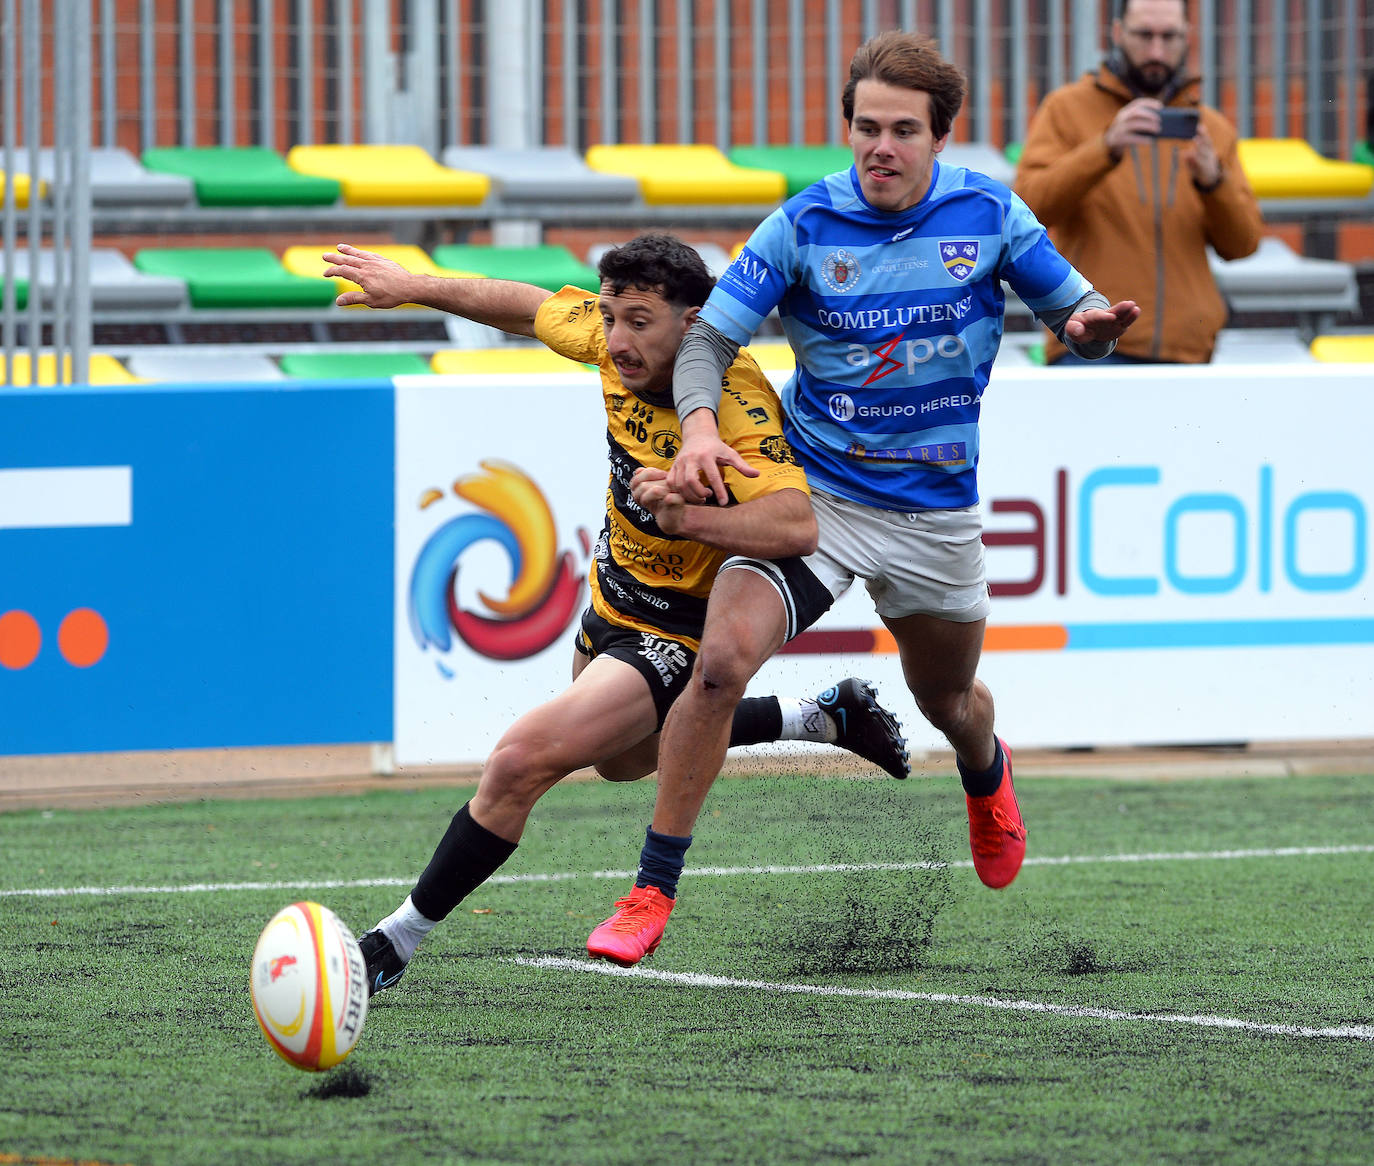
[805, 720]
[405, 927]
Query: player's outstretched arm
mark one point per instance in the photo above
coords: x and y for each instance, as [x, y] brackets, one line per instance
[696, 470]
[384, 283]
[774, 526]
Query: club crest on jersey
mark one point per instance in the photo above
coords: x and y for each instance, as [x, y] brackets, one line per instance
[960, 257]
[840, 270]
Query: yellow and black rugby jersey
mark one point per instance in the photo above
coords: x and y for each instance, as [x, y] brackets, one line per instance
[640, 577]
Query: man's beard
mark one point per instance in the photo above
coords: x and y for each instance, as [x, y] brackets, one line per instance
[1150, 81]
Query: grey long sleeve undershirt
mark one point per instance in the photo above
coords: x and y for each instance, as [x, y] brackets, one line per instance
[707, 352]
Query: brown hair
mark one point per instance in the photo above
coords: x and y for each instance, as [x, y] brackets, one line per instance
[908, 60]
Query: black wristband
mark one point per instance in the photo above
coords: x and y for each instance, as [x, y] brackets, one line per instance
[1221, 177]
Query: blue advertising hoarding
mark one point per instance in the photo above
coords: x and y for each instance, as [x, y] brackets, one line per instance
[194, 566]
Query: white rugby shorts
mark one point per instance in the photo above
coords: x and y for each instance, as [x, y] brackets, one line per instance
[927, 562]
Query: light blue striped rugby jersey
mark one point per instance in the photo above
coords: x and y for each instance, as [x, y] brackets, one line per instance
[895, 319]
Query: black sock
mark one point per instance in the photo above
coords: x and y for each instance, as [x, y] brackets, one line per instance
[467, 855]
[661, 861]
[757, 719]
[980, 785]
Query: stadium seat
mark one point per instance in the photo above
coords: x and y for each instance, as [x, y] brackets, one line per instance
[236, 277]
[22, 185]
[515, 359]
[1261, 346]
[547, 265]
[716, 257]
[335, 366]
[119, 179]
[800, 166]
[21, 292]
[1363, 153]
[542, 174]
[390, 175]
[688, 175]
[1012, 152]
[982, 157]
[304, 259]
[1277, 278]
[242, 176]
[193, 367]
[773, 356]
[103, 369]
[1290, 168]
[116, 284]
[1344, 349]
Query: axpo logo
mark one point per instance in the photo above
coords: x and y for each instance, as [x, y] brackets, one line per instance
[59, 498]
[546, 584]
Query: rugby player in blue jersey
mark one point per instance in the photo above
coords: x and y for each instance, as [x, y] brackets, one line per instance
[887, 279]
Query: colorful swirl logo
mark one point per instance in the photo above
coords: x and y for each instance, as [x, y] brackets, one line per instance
[545, 588]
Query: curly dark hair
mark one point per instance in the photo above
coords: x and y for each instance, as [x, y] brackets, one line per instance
[908, 60]
[660, 263]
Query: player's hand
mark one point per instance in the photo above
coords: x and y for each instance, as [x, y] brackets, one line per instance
[1102, 323]
[1201, 158]
[649, 487]
[1135, 123]
[696, 470]
[383, 282]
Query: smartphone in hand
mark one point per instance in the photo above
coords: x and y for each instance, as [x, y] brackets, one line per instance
[1178, 123]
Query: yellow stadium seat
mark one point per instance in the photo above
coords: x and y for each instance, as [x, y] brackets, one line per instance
[305, 259]
[23, 185]
[484, 361]
[773, 357]
[1290, 168]
[390, 175]
[669, 174]
[1353, 349]
[104, 370]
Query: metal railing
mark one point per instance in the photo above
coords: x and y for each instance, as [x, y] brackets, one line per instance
[144, 73]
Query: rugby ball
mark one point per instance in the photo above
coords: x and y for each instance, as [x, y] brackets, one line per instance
[309, 986]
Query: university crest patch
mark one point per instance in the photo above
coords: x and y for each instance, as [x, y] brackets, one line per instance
[960, 257]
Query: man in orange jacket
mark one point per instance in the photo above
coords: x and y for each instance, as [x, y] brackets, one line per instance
[1133, 189]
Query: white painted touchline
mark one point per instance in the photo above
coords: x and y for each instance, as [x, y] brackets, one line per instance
[701, 871]
[699, 980]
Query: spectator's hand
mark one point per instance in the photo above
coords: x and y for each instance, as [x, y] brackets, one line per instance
[1201, 159]
[1102, 324]
[384, 283]
[1136, 123]
[695, 473]
[650, 489]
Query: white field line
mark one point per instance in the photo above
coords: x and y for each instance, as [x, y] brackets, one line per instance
[703, 871]
[698, 980]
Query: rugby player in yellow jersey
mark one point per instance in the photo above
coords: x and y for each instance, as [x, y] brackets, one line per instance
[638, 639]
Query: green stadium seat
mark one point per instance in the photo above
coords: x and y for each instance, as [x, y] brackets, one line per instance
[547, 265]
[21, 292]
[236, 277]
[1291, 168]
[1363, 153]
[337, 366]
[799, 165]
[1012, 152]
[390, 175]
[688, 175]
[242, 176]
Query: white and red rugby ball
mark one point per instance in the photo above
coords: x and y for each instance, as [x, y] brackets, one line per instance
[309, 986]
